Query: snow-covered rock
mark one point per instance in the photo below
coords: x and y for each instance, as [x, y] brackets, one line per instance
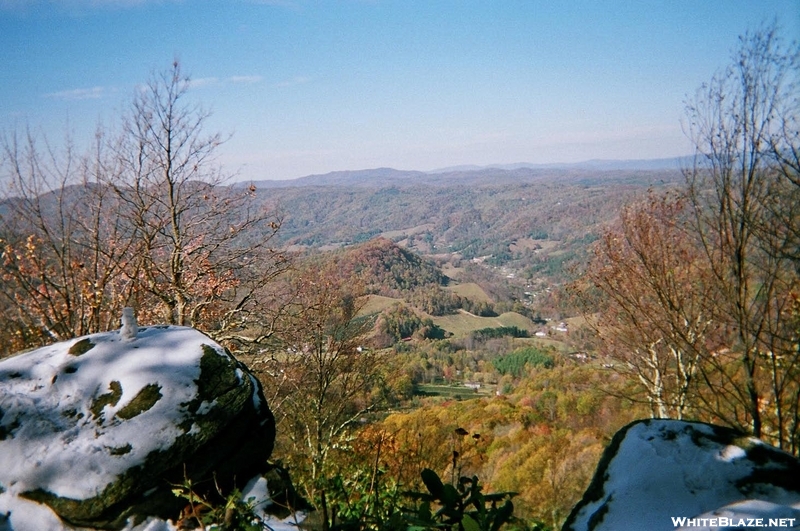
[99, 428]
[667, 475]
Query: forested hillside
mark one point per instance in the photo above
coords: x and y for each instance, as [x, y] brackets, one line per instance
[520, 233]
[474, 213]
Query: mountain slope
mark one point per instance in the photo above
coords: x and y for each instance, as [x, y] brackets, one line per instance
[472, 213]
[387, 269]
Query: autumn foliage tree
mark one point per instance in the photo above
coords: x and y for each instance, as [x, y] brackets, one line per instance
[68, 261]
[322, 374]
[657, 318]
[199, 261]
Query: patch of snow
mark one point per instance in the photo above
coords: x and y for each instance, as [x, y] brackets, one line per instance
[731, 453]
[256, 399]
[194, 430]
[29, 515]
[152, 524]
[661, 471]
[55, 441]
[290, 523]
[206, 406]
[257, 493]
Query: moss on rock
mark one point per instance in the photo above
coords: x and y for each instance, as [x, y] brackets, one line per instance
[81, 347]
[106, 399]
[121, 450]
[144, 400]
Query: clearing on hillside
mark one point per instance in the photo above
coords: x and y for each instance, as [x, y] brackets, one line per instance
[470, 291]
[379, 303]
[462, 323]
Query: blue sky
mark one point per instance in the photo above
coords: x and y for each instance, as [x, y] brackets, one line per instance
[309, 87]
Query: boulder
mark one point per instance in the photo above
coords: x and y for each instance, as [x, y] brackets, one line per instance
[101, 428]
[668, 474]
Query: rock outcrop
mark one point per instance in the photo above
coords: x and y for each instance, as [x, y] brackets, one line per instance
[100, 428]
[667, 475]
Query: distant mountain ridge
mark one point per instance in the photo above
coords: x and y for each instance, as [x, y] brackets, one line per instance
[673, 163]
[372, 177]
[496, 174]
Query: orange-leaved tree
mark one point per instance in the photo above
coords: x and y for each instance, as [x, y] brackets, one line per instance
[656, 316]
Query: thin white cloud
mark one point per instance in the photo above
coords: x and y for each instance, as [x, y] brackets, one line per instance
[245, 80]
[92, 93]
[203, 82]
[99, 92]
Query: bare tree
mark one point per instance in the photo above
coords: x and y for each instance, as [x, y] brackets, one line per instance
[205, 248]
[142, 219]
[743, 125]
[66, 255]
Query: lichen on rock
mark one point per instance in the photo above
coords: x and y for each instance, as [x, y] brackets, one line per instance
[81, 347]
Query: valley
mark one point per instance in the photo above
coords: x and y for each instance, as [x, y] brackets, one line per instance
[469, 311]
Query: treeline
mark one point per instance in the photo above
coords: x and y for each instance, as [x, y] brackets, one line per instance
[514, 363]
[400, 322]
[436, 301]
[499, 331]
